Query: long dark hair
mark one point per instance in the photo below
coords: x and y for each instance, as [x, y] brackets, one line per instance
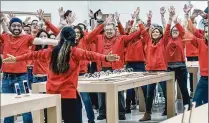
[61, 53]
[39, 47]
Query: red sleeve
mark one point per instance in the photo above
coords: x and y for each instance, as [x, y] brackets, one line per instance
[1, 38]
[180, 29]
[34, 55]
[81, 54]
[166, 35]
[54, 29]
[91, 36]
[121, 29]
[199, 34]
[31, 39]
[144, 33]
[132, 22]
[130, 37]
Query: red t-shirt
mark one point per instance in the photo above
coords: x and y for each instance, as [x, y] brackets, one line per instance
[15, 46]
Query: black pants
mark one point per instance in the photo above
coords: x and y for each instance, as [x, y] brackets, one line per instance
[93, 96]
[195, 58]
[72, 110]
[130, 96]
[181, 77]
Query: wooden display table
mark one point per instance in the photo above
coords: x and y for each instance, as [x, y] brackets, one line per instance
[10, 105]
[193, 67]
[111, 87]
[199, 115]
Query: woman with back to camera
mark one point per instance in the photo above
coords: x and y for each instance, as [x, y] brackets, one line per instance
[64, 60]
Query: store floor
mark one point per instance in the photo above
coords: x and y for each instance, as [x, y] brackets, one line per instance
[135, 115]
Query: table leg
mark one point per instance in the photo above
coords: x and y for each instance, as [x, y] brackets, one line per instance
[112, 103]
[38, 116]
[54, 113]
[141, 100]
[170, 98]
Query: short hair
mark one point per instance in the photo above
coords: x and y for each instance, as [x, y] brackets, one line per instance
[67, 13]
[111, 23]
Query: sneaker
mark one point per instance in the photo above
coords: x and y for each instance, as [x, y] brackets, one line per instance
[101, 117]
[164, 113]
[90, 121]
[122, 117]
[146, 117]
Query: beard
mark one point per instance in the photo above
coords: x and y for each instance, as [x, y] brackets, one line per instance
[16, 32]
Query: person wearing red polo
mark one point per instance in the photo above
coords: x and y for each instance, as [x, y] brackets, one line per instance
[16, 44]
[64, 64]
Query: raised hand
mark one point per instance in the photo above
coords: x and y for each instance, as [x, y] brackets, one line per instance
[187, 8]
[99, 16]
[11, 15]
[91, 14]
[40, 15]
[117, 16]
[149, 15]
[2, 16]
[171, 12]
[112, 57]
[162, 11]
[71, 18]
[27, 19]
[9, 59]
[109, 18]
[61, 12]
[85, 22]
[195, 13]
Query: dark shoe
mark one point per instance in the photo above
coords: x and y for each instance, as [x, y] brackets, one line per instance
[128, 110]
[164, 113]
[101, 117]
[122, 117]
[146, 117]
[90, 121]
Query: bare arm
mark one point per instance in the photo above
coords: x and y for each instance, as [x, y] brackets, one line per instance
[162, 13]
[40, 41]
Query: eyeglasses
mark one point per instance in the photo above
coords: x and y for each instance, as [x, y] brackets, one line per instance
[34, 24]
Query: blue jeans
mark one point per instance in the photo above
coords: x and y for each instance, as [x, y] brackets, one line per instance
[102, 101]
[30, 75]
[39, 79]
[8, 82]
[201, 92]
[130, 96]
[88, 105]
[151, 93]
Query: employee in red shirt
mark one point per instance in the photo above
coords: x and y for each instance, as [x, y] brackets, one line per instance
[201, 92]
[64, 60]
[17, 44]
[156, 59]
[106, 43]
[176, 59]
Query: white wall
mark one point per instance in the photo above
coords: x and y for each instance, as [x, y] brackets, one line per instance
[126, 8]
[79, 7]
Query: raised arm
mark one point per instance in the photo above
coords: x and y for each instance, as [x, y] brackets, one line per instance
[179, 27]
[54, 29]
[120, 26]
[162, 13]
[149, 18]
[187, 9]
